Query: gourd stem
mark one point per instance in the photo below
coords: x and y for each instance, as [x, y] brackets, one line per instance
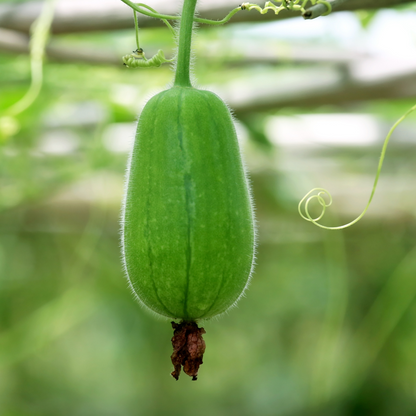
[182, 77]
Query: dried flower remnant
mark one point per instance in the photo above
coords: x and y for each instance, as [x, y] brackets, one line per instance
[188, 348]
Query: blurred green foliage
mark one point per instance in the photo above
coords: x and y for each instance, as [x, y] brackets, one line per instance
[326, 327]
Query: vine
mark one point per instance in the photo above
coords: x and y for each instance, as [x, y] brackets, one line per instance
[137, 59]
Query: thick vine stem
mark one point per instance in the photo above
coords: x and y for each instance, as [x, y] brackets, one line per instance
[182, 77]
[303, 207]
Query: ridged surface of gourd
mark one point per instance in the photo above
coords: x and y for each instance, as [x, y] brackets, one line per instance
[188, 235]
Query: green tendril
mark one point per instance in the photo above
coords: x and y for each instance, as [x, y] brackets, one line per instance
[140, 8]
[303, 207]
[290, 5]
[137, 59]
[136, 26]
[270, 6]
[154, 11]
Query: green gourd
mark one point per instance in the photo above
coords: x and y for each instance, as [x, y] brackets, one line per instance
[188, 225]
[188, 229]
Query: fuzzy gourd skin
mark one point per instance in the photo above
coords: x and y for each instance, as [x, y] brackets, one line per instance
[188, 235]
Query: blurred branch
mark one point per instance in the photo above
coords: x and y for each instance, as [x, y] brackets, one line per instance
[327, 89]
[39, 37]
[81, 16]
[234, 53]
[370, 4]
[321, 9]
[333, 83]
[16, 42]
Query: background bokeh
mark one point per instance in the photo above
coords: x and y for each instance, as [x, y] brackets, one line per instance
[328, 325]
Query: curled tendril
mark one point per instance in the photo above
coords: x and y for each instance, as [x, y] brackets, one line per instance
[285, 5]
[137, 59]
[291, 5]
[268, 6]
[320, 196]
[303, 207]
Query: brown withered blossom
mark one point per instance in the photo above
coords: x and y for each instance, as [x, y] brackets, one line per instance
[188, 348]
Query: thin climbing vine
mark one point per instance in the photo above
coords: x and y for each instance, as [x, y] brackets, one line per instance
[321, 195]
[137, 59]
